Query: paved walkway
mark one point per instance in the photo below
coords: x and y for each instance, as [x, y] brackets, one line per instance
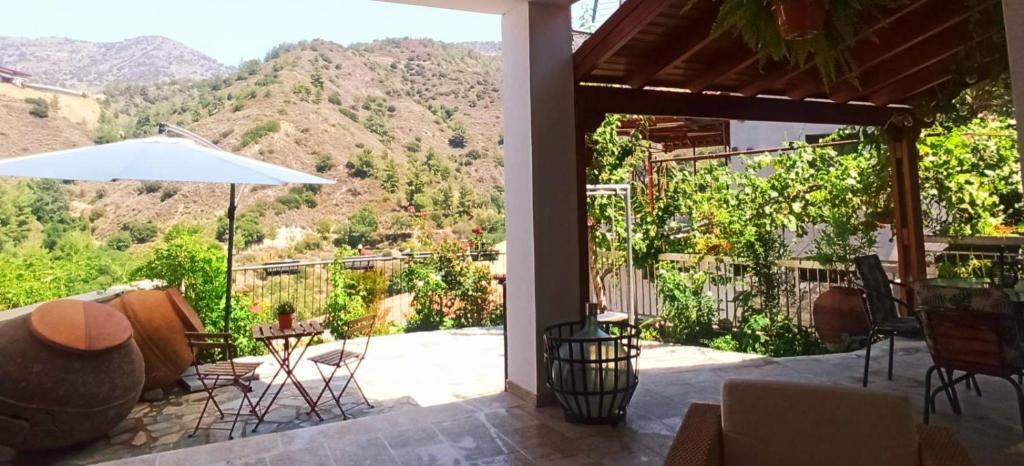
[439, 401]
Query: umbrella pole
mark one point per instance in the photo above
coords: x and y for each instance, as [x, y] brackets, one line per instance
[231, 256]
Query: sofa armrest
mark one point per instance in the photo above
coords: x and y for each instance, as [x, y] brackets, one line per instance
[941, 447]
[699, 440]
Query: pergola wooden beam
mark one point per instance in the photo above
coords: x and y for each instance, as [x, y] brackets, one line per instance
[906, 193]
[605, 100]
[786, 73]
[629, 20]
[680, 47]
[903, 65]
[918, 81]
[915, 33]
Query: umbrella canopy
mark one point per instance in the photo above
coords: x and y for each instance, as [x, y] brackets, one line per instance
[158, 158]
[161, 158]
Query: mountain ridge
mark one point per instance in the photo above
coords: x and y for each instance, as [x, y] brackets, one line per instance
[92, 66]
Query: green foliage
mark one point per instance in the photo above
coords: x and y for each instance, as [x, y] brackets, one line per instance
[459, 138]
[120, 241]
[389, 180]
[361, 229]
[334, 99]
[50, 203]
[148, 187]
[412, 147]
[829, 51]
[377, 124]
[297, 198]
[140, 232]
[451, 291]
[168, 192]
[688, 314]
[349, 113]
[363, 164]
[40, 107]
[324, 162]
[73, 266]
[254, 134]
[248, 229]
[16, 215]
[353, 293]
[285, 308]
[970, 178]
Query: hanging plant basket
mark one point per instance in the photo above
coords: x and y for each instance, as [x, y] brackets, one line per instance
[799, 19]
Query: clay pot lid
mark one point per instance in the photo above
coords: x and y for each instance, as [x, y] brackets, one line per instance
[185, 312]
[79, 325]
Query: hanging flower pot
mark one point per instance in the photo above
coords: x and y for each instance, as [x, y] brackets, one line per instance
[799, 19]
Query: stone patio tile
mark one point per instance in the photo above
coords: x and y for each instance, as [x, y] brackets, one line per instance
[540, 442]
[360, 451]
[472, 437]
[238, 449]
[310, 455]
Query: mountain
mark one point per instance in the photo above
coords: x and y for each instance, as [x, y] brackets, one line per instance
[92, 66]
[409, 129]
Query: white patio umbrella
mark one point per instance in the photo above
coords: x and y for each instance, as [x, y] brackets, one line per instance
[161, 158]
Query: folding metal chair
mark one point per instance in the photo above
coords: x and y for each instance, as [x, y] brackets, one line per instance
[349, 357]
[220, 375]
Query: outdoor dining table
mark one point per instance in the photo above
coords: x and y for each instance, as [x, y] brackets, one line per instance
[1016, 294]
[294, 342]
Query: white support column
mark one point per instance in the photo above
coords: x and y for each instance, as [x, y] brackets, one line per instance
[540, 187]
[1013, 12]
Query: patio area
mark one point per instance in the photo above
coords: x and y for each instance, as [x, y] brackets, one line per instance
[438, 400]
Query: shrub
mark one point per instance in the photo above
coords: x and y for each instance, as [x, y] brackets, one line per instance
[334, 98]
[349, 113]
[149, 187]
[361, 228]
[353, 293]
[248, 229]
[451, 291]
[458, 139]
[298, 197]
[324, 163]
[376, 125]
[120, 241]
[140, 232]
[186, 261]
[362, 164]
[688, 314]
[254, 134]
[168, 192]
[40, 107]
[412, 147]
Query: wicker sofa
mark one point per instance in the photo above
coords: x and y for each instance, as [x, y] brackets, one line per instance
[772, 423]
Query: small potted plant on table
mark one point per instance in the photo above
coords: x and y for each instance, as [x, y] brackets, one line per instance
[285, 311]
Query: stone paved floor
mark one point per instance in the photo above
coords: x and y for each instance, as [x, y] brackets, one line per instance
[439, 402]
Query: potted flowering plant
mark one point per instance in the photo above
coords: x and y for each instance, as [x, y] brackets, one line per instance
[285, 311]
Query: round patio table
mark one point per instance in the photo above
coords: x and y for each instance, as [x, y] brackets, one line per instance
[1016, 293]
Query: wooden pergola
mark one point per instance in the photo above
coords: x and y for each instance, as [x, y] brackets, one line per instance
[677, 133]
[660, 57]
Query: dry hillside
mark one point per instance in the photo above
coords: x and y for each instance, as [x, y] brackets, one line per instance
[398, 102]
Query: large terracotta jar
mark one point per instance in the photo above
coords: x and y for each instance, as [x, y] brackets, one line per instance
[70, 372]
[839, 315]
[160, 333]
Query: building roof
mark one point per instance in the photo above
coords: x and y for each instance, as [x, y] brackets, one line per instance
[13, 72]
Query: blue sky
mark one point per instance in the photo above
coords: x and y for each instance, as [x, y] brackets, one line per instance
[233, 30]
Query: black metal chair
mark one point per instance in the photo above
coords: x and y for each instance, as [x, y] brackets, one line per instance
[350, 357]
[974, 342]
[882, 308]
[223, 374]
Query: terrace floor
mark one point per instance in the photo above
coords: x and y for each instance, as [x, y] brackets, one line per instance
[438, 400]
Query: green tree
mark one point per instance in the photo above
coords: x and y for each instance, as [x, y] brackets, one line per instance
[16, 214]
[363, 164]
[361, 229]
